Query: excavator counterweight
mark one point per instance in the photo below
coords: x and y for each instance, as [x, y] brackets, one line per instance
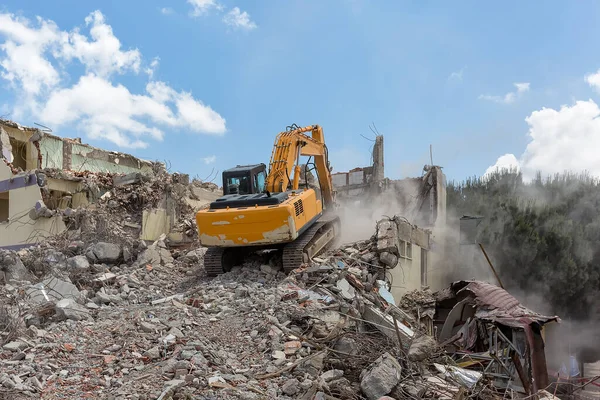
[269, 211]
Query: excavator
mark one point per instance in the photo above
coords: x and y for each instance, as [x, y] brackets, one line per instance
[266, 211]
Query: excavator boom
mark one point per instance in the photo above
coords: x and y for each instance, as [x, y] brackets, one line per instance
[285, 158]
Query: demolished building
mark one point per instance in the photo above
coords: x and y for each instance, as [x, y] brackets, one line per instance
[43, 175]
[417, 230]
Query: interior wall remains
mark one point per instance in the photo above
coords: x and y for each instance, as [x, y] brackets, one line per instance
[19, 230]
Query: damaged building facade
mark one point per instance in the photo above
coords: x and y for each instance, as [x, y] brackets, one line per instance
[42, 176]
[417, 244]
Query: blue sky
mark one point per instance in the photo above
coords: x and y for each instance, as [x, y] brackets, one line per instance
[439, 73]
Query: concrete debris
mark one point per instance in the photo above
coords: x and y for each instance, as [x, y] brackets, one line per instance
[104, 253]
[12, 269]
[69, 309]
[381, 377]
[421, 348]
[109, 315]
[79, 263]
[52, 289]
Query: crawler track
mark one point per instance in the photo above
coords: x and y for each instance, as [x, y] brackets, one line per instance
[315, 240]
[213, 261]
[312, 242]
[293, 253]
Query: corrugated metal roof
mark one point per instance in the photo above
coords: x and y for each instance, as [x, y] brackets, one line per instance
[491, 295]
[496, 304]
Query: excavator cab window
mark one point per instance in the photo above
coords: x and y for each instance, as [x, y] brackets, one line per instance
[259, 182]
[239, 185]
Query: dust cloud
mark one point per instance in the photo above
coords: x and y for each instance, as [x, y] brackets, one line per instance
[359, 215]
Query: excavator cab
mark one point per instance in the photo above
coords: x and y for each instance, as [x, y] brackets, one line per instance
[245, 179]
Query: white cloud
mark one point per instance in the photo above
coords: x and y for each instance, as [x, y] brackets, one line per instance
[202, 7]
[594, 80]
[23, 64]
[33, 59]
[509, 97]
[522, 87]
[562, 140]
[166, 11]
[235, 18]
[102, 54]
[209, 159]
[115, 114]
[457, 76]
[239, 19]
[151, 68]
[505, 162]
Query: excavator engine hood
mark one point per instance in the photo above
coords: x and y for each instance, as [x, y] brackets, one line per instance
[259, 224]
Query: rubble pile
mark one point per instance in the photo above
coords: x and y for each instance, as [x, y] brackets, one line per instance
[101, 321]
[118, 202]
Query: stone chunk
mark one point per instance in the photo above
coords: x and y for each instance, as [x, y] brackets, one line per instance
[314, 364]
[78, 263]
[332, 374]
[291, 387]
[346, 345]
[269, 269]
[52, 289]
[389, 259]
[16, 345]
[421, 348]
[381, 377]
[69, 309]
[154, 256]
[153, 353]
[103, 252]
[13, 268]
[387, 237]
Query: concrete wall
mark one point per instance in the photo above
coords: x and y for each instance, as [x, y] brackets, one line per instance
[23, 136]
[52, 152]
[20, 230]
[407, 274]
[87, 158]
[418, 267]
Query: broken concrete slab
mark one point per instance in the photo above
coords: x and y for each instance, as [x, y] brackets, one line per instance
[385, 324]
[13, 268]
[346, 290]
[387, 237]
[78, 263]
[103, 252]
[421, 348]
[51, 290]
[381, 377]
[129, 179]
[69, 309]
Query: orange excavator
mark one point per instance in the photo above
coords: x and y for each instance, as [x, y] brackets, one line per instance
[260, 210]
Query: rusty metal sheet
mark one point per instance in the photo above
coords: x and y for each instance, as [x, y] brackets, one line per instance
[496, 304]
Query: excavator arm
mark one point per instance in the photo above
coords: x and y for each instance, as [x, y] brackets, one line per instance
[285, 159]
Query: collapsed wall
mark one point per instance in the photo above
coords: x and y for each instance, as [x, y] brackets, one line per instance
[45, 178]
